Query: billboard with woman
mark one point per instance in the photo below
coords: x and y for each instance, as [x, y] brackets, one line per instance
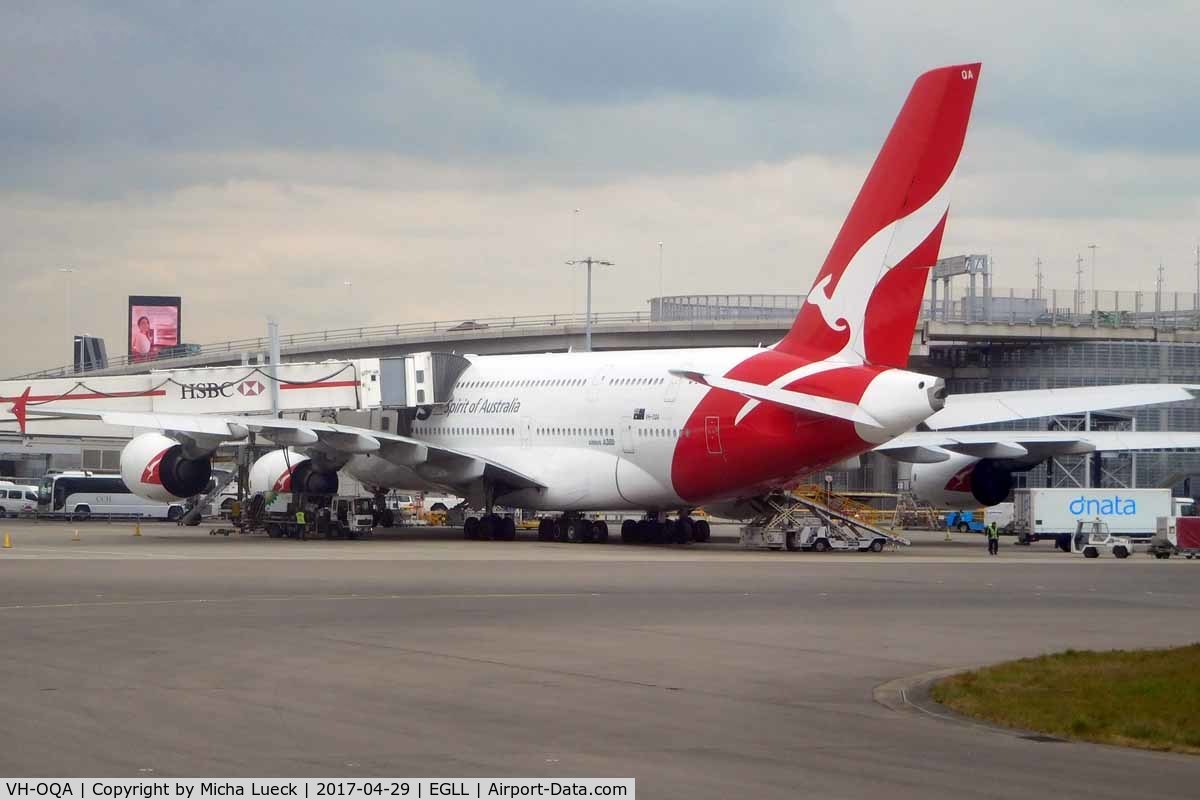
[154, 324]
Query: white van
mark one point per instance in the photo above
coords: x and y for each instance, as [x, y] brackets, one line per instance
[16, 499]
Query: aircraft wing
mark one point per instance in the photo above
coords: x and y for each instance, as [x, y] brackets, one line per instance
[929, 447]
[986, 408]
[207, 432]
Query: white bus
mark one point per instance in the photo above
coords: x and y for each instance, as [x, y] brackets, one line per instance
[84, 494]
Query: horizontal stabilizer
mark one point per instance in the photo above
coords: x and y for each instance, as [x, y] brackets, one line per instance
[797, 401]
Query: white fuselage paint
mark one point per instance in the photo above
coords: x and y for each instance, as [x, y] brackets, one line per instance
[597, 430]
[570, 421]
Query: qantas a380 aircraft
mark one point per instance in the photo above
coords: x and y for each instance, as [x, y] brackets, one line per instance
[656, 431]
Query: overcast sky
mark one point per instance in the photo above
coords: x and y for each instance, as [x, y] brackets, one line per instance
[253, 157]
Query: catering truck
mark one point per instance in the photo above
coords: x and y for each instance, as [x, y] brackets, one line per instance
[1053, 513]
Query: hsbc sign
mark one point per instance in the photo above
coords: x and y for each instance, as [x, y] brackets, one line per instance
[204, 391]
[242, 389]
[210, 390]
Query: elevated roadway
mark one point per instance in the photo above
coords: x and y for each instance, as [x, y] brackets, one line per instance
[610, 331]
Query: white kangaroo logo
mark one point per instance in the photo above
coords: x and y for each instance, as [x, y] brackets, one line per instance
[845, 308]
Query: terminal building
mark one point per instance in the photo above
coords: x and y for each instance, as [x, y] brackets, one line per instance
[978, 337]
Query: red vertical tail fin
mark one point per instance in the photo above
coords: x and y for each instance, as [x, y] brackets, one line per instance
[865, 301]
[20, 407]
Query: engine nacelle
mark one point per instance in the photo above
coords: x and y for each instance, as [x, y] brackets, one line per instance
[153, 466]
[962, 482]
[289, 471]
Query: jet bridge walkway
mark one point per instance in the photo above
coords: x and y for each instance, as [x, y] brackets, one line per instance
[791, 522]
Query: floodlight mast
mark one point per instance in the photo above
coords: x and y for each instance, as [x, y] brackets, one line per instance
[587, 328]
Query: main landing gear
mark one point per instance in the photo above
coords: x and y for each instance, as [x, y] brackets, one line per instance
[572, 528]
[652, 530]
[489, 527]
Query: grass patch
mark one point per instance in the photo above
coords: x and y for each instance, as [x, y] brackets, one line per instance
[1137, 698]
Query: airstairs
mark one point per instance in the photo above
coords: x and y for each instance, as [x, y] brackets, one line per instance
[193, 514]
[792, 522]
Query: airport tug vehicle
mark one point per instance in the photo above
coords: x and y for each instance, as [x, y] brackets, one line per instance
[1092, 537]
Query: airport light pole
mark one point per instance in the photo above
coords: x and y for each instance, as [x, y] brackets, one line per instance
[1078, 285]
[70, 336]
[571, 288]
[273, 344]
[660, 277]
[1095, 299]
[1092, 247]
[587, 326]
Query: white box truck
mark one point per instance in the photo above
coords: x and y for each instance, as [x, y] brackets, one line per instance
[1053, 513]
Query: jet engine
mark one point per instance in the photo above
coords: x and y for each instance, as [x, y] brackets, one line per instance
[289, 471]
[155, 467]
[963, 482]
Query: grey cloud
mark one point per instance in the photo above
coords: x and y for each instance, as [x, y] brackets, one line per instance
[94, 95]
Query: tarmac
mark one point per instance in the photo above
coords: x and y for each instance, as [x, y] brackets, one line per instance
[701, 671]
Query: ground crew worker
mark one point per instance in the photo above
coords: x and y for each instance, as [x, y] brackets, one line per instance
[993, 537]
[300, 523]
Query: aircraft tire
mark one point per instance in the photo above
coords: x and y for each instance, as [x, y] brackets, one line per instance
[629, 531]
[702, 531]
[685, 529]
[488, 527]
[508, 529]
[601, 529]
[544, 534]
[562, 528]
[471, 528]
[645, 531]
